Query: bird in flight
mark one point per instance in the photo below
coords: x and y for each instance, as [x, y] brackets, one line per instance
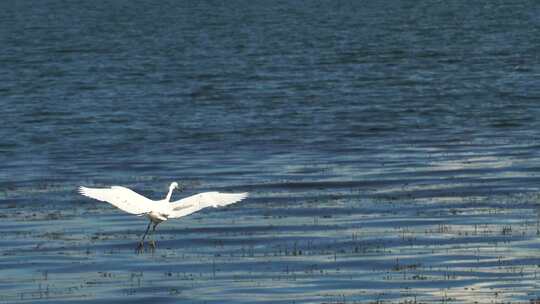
[160, 210]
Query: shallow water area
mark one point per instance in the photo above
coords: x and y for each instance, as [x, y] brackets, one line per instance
[390, 149]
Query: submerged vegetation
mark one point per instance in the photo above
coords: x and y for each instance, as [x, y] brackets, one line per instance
[348, 247]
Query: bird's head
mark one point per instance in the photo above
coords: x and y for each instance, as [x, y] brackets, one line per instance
[174, 185]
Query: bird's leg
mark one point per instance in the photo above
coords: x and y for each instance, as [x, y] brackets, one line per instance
[141, 243]
[152, 243]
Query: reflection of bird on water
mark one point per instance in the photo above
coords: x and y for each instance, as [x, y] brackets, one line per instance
[161, 210]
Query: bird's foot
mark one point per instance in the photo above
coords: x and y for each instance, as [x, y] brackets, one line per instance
[140, 247]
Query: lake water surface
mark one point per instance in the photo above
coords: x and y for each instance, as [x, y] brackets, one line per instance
[391, 148]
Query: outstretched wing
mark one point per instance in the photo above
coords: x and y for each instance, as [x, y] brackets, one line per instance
[121, 197]
[199, 201]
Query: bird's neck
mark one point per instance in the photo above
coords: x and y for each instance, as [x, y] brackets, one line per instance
[168, 198]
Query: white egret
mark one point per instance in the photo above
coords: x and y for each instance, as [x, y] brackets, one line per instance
[160, 210]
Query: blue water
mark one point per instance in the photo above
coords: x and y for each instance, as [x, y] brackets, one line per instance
[391, 149]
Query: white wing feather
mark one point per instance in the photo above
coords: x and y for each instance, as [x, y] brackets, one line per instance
[121, 197]
[200, 201]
